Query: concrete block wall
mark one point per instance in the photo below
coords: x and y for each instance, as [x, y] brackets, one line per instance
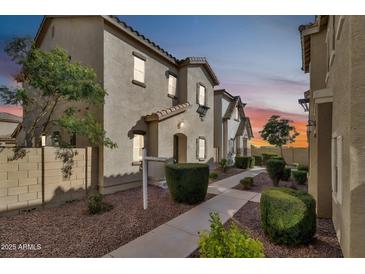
[291, 154]
[21, 184]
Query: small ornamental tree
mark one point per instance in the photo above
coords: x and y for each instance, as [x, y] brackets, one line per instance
[57, 93]
[278, 132]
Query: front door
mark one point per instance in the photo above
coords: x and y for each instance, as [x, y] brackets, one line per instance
[180, 148]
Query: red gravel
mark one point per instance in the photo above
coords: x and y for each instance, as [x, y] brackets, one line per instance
[67, 231]
[262, 181]
[324, 245]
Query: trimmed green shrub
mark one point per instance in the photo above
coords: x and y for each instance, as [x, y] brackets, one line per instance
[300, 176]
[187, 182]
[267, 156]
[303, 167]
[286, 174]
[96, 205]
[252, 162]
[258, 160]
[223, 164]
[288, 216]
[213, 175]
[228, 243]
[247, 182]
[275, 168]
[242, 162]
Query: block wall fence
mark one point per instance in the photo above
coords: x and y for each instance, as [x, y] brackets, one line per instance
[291, 154]
[37, 179]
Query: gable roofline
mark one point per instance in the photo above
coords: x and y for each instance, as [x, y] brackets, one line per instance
[140, 38]
[10, 118]
[305, 32]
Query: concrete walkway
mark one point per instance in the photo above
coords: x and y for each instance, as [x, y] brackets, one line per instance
[179, 237]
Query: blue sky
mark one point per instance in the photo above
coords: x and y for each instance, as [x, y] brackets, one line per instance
[257, 57]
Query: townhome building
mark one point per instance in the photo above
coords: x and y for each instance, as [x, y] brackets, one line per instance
[333, 54]
[155, 101]
[232, 129]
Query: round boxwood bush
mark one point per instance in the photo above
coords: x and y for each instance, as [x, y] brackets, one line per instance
[267, 156]
[247, 182]
[258, 160]
[300, 176]
[288, 216]
[187, 182]
[275, 168]
[242, 162]
[286, 174]
[303, 167]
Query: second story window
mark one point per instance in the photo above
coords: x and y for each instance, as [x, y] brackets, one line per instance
[236, 114]
[172, 85]
[139, 67]
[201, 95]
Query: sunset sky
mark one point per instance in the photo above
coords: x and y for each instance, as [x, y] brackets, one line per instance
[256, 57]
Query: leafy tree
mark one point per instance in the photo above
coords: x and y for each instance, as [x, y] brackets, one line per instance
[278, 132]
[54, 89]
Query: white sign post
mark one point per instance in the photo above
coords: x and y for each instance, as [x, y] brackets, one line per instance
[145, 160]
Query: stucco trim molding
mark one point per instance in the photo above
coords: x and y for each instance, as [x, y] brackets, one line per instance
[323, 95]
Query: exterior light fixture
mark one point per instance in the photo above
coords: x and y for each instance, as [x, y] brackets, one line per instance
[180, 125]
[311, 125]
[202, 110]
[304, 103]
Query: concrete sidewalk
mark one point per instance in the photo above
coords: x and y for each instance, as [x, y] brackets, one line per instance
[179, 237]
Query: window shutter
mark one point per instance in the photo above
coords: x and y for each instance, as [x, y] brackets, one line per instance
[197, 148]
[197, 92]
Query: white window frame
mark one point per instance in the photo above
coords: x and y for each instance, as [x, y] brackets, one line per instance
[172, 85]
[138, 145]
[202, 146]
[202, 95]
[236, 113]
[139, 69]
[336, 157]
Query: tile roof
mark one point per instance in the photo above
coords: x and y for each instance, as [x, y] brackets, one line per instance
[10, 118]
[167, 112]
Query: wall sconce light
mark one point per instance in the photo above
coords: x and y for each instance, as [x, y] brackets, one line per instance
[180, 125]
[304, 103]
[311, 125]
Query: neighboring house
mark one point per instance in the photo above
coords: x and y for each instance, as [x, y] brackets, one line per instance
[9, 125]
[232, 129]
[333, 50]
[154, 101]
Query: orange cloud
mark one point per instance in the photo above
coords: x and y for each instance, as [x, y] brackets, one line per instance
[15, 110]
[259, 116]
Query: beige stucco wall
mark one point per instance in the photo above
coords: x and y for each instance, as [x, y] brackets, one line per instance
[7, 128]
[21, 185]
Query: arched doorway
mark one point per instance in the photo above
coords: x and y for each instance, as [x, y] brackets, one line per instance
[180, 148]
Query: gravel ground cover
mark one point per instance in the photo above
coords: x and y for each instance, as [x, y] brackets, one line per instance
[222, 175]
[68, 231]
[262, 181]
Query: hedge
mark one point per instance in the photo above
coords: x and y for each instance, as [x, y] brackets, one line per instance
[267, 156]
[300, 176]
[247, 182]
[286, 174]
[303, 167]
[187, 182]
[258, 160]
[242, 162]
[275, 169]
[288, 216]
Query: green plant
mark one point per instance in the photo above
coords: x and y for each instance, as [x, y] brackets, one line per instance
[300, 176]
[267, 156]
[278, 132]
[275, 168]
[213, 175]
[187, 182]
[247, 182]
[252, 162]
[303, 167]
[242, 162]
[228, 243]
[96, 204]
[288, 216]
[286, 174]
[258, 160]
[223, 164]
